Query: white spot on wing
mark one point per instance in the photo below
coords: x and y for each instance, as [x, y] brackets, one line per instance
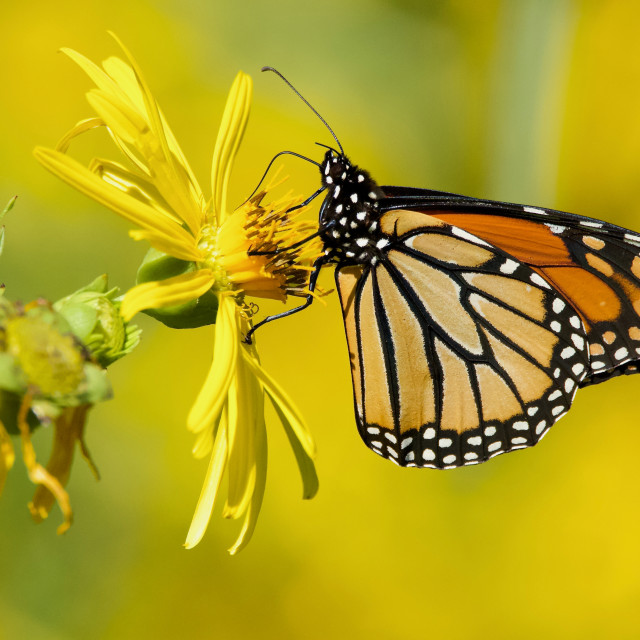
[621, 353]
[508, 266]
[558, 305]
[461, 233]
[537, 279]
[578, 341]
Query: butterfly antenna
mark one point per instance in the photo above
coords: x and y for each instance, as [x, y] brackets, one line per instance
[264, 175]
[324, 122]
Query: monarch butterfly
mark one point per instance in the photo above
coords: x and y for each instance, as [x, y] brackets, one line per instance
[470, 323]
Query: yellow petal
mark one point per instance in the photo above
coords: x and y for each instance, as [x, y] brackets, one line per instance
[210, 488]
[242, 454]
[91, 185]
[124, 76]
[7, 455]
[81, 127]
[253, 511]
[285, 404]
[232, 127]
[213, 394]
[132, 182]
[125, 122]
[101, 79]
[170, 176]
[306, 465]
[166, 293]
[203, 444]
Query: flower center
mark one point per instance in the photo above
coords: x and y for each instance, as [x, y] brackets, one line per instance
[209, 245]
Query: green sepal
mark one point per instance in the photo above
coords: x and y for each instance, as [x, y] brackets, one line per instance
[158, 266]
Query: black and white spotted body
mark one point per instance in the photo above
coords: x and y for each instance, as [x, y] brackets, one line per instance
[349, 214]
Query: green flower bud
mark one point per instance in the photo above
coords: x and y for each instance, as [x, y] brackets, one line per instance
[93, 314]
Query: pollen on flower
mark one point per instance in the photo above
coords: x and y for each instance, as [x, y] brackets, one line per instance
[250, 252]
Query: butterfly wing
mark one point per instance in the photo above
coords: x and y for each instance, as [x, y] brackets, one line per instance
[459, 351]
[593, 264]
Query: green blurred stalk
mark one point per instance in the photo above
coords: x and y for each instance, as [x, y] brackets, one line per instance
[531, 68]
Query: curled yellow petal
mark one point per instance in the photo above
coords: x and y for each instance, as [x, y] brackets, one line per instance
[210, 488]
[81, 127]
[38, 474]
[232, 127]
[166, 293]
[213, 394]
[67, 432]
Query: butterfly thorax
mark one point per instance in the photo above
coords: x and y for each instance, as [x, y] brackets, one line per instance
[349, 216]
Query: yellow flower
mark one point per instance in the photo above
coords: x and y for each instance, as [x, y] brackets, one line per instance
[199, 271]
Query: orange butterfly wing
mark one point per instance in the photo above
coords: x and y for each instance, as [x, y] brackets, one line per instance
[454, 349]
[596, 267]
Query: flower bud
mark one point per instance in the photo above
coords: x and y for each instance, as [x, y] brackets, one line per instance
[93, 314]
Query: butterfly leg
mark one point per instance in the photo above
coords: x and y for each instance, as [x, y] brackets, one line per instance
[317, 265]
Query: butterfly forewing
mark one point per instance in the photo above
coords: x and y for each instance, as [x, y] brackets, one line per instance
[459, 351]
[594, 265]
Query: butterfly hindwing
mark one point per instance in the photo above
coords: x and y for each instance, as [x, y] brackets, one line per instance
[459, 350]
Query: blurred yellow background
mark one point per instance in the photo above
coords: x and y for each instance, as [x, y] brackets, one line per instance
[529, 101]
